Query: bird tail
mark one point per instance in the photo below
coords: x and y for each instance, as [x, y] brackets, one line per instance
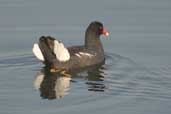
[50, 50]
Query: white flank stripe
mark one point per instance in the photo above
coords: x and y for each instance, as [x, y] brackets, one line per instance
[37, 52]
[61, 52]
[78, 55]
[86, 54]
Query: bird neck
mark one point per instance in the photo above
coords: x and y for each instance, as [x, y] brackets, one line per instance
[92, 40]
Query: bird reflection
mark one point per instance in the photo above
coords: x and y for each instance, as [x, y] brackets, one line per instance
[94, 77]
[95, 80]
[51, 85]
[55, 85]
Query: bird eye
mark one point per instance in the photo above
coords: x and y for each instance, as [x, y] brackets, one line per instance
[100, 27]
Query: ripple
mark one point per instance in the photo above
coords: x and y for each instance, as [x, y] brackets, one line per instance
[118, 76]
[122, 76]
[19, 61]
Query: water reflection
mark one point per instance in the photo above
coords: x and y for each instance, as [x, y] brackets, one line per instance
[51, 85]
[56, 85]
[95, 80]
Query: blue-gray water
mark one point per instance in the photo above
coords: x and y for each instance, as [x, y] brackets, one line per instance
[136, 78]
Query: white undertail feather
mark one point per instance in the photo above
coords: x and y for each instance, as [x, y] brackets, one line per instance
[60, 51]
[37, 52]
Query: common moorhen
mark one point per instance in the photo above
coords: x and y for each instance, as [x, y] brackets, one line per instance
[56, 56]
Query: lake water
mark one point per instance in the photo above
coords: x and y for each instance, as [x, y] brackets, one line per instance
[136, 78]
